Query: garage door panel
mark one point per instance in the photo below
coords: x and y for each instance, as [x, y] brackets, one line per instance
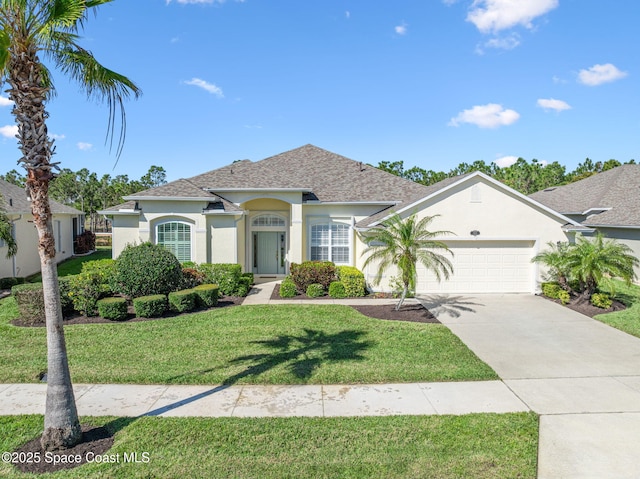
[484, 267]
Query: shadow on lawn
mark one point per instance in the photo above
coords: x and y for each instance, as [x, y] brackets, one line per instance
[301, 354]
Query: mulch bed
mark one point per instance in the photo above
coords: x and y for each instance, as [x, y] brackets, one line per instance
[587, 308]
[223, 302]
[415, 313]
[96, 441]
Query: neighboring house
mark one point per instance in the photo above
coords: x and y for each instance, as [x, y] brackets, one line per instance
[311, 204]
[608, 202]
[67, 224]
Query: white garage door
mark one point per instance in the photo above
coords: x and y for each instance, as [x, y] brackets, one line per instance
[484, 267]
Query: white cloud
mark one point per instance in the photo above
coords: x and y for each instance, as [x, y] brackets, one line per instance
[84, 146]
[506, 161]
[553, 104]
[4, 101]
[56, 137]
[401, 29]
[491, 115]
[347, 14]
[9, 131]
[502, 43]
[491, 16]
[210, 87]
[599, 74]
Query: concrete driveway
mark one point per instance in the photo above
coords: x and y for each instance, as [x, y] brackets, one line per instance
[582, 376]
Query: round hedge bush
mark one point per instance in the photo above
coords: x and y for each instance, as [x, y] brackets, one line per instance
[146, 269]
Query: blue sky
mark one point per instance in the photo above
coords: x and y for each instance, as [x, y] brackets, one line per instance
[431, 82]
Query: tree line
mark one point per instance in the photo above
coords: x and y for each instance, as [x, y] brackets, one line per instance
[523, 176]
[86, 192]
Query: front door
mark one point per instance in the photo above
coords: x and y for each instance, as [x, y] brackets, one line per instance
[269, 252]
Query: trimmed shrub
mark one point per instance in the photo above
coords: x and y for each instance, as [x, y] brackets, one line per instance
[601, 300]
[554, 291]
[244, 286]
[182, 301]
[191, 277]
[551, 290]
[8, 283]
[189, 264]
[315, 290]
[337, 290]
[353, 280]
[313, 272]
[86, 288]
[248, 275]
[564, 296]
[146, 269]
[287, 288]
[84, 242]
[114, 309]
[150, 306]
[206, 295]
[225, 275]
[65, 295]
[30, 300]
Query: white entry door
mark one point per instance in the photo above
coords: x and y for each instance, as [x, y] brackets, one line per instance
[269, 252]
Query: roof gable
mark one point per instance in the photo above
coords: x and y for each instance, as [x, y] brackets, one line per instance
[14, 201]
[439, 189]
[609, 198]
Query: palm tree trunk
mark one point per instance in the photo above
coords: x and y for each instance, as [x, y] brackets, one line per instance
[29, 92]
[405, 292]
[61, 424]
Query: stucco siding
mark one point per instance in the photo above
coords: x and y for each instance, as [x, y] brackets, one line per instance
[628, 236]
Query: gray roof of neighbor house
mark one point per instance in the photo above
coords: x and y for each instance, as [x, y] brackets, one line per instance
[613, 196]
[319, 174]
[15, 202]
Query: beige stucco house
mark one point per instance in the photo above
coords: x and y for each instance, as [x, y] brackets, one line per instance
[67, 224]
[608, 202]
[311, 204]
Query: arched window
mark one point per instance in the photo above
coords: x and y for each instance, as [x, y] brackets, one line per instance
[331, 242]
[268, 220]
[176, 237]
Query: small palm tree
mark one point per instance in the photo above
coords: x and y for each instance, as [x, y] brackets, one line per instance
[593, 261]
[404, 244]
[28, 29]
[6, 233]
[555, 259]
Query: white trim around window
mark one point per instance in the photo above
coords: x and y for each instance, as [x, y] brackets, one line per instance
[176, 236]
[330, 239]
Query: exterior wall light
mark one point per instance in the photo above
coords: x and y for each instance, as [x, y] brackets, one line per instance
[475, 233]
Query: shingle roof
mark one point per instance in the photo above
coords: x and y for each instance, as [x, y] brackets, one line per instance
[328, 177]
[617, 191]
[14, 201]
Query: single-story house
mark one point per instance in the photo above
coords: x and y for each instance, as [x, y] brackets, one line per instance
[311, 204]
[609, 202]
[67, 224]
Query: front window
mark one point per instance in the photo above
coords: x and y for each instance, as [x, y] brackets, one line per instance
[176, 237]
[330, 242]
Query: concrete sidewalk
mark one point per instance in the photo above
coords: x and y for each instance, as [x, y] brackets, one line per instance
[271, 401]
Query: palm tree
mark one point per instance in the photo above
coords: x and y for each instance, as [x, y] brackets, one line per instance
[30, 28]
[593, 261]
[405, 243]
[555, 259]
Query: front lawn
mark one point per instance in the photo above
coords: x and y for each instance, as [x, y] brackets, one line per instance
[472, 446]
[74, 264]
[283, 344]
[629, 319]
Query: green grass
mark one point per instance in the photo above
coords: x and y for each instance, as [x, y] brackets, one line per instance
[282, 344]
[74, 265]
[472, 446]
[629, 319]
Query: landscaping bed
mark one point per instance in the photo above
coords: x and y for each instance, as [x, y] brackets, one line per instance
[415, 313]
[587, 308]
